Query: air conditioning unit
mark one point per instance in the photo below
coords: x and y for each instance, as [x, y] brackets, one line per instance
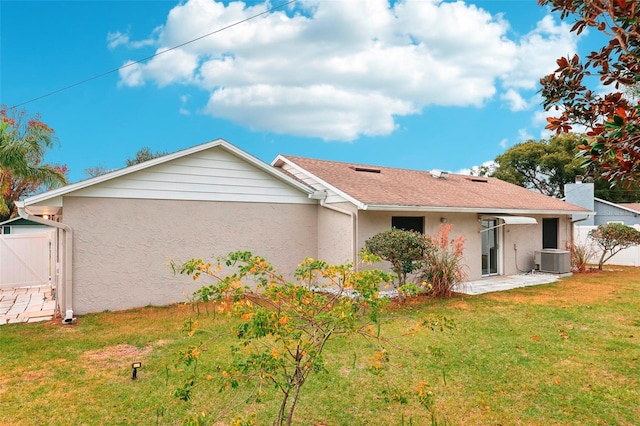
[553, 260]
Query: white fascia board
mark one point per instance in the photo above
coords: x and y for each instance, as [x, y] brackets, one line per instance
[282, 159]
[618, 206]
[164, 159]
[479, 210]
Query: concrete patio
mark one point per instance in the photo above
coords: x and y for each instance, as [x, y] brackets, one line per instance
[507, 282]
[26, 304]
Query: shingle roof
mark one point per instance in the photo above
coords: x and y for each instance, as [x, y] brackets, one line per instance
[630, 206]
[403, 187]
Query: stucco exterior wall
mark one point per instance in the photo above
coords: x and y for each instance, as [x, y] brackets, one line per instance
[517, 242]
[372, 222]
[122, 248]
[335, 235]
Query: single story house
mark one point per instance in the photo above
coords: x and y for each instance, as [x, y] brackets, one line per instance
[119, 231]
[582, 194]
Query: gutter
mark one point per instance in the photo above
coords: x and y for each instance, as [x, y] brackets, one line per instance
[67, 274]
[481, 210]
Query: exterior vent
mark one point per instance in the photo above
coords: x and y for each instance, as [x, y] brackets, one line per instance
[477, 179]
[366, 170]
[440, 174]
[553, 260]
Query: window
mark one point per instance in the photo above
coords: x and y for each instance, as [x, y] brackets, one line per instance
[408, 223]
[550, 233]
[6, 229]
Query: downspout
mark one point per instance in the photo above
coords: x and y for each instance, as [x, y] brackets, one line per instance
[354, 225]
[67, 242]
[573, 226]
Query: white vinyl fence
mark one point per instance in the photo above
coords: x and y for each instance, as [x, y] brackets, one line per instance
[26, 259]
[627, 257]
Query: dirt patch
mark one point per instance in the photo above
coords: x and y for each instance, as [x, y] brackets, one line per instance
[461, 304]
[117, 354]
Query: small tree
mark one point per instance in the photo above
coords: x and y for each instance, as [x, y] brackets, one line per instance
[612, 238]
[403, 249]
[442, 268]
[286, 325]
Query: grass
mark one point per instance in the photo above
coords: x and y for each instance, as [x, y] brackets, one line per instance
[565, 353]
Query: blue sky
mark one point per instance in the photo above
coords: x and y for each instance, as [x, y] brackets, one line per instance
[414, 84]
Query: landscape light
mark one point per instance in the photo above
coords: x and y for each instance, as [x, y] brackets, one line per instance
[135, 367]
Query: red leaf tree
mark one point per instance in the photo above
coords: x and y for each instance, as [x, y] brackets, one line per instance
[613, 120]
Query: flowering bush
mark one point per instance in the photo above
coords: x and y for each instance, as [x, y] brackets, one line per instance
[442, 266]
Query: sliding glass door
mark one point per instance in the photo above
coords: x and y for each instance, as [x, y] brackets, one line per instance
[489, 246]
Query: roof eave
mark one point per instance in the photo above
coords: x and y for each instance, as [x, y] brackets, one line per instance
[609, 203]
[280, 159]
[483, 210]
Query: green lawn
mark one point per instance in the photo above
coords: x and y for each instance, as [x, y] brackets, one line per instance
[564, 353]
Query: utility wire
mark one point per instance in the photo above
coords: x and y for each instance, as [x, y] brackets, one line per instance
[154, 55]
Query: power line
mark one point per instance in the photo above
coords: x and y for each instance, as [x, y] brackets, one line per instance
[154, 55]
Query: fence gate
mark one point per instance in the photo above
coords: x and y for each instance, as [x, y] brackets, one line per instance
[26, 259]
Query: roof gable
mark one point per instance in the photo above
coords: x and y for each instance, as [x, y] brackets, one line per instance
[380, 188]
[215, 171]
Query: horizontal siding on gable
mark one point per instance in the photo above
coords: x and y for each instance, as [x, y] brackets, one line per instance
[212, 175]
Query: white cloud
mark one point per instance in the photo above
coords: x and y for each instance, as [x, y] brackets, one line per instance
[117, 38]
[488, 167]
[537, 53]
[514, 100]
[524, 135]
[341, 69]
[183, 105]
[504, 143]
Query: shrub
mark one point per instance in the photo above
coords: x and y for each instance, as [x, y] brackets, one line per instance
[403, 249]
[442, 266]
[612, 238]
[581, 255]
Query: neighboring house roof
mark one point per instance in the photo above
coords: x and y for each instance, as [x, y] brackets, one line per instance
[635, 207]
[629, 207]
[385, 188]
[49, 201]
[18, 221]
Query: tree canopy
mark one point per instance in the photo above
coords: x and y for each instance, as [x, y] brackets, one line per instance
[547, 165]
[612, 119]
[24, 141]
[144, 154]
